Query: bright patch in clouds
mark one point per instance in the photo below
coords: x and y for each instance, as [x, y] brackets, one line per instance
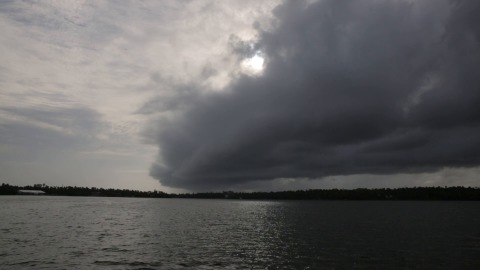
[253, 65]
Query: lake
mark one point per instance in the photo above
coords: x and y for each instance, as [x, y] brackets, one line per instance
[43, 232]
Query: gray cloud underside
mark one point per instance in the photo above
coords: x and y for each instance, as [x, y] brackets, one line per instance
[351, 87]
[49, 128]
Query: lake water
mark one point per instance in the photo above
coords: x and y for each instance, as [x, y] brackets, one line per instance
[42, 232]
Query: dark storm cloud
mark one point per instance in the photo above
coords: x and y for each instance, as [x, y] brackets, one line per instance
[378, 87]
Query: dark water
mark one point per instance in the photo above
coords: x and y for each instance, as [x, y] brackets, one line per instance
[126, 233]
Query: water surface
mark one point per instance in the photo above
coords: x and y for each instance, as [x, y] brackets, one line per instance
[43, 232]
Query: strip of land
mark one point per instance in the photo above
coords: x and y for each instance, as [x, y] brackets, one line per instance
[410, 193]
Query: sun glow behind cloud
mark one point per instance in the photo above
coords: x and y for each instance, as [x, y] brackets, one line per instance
[254, 65]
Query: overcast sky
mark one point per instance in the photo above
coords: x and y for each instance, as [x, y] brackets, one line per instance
[240, 95]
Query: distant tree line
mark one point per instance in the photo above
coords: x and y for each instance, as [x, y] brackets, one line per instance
[413, 193]
[6, 189]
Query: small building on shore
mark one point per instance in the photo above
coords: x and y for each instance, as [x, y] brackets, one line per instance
[30, 192]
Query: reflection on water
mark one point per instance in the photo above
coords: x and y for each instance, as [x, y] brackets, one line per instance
[128, 233]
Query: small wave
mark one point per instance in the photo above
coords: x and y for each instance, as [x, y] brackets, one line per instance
[77, 253]
[29, 263]
[128, 263]
[108, 263]
[115, 249]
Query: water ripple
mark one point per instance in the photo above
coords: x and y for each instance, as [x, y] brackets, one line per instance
[128, 233]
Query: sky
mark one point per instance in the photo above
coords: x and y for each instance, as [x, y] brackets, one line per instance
[208, 95]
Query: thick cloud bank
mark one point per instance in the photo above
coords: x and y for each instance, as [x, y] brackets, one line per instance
[378, 87]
